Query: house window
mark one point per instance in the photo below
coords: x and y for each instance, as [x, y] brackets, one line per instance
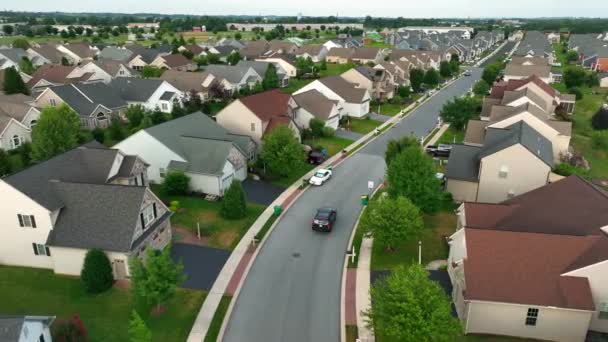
[148, 215]
[603, 311]
[504, 171]
[532, 316]
[163, 172]
[40, 249]
[101, 117]
[253, 127]
[52, 102]
[33, 123]
[164, 106]
[16, 141]
[26, 221]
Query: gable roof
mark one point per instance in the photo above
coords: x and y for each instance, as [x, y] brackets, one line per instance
[54, 73]
[135, 89]
[499, 88]
[528, 70]
[110, 66]
[312, 50]
[498, 139]
[115, 53]
[176, 60]
[315, 103]
[11, 326]
[81, 50]
[341, 52]
[346, 90]
[14, 54]
[49, 51]
[85, 97]
[526, 268]
[267, 105]
[365, 53]
[232, 73]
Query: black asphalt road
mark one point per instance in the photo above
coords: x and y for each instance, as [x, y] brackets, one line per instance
[201, 264]
[292, 292]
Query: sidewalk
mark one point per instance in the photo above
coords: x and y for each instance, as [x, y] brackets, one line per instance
[437, 135]
[363, 301]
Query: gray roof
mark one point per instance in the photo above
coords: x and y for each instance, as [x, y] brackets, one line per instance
[199, 140]
[315, 103]
[115, 53]
[14, 54]
[100, 216]
[135, 89]
[85, 97]
[10, 328]
[231, 73]
[259, 67]
[147, 55]
[464, 159]
[344, 89]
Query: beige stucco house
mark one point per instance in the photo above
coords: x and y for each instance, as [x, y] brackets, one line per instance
[511, 161]
[520, 270]
[89, 197]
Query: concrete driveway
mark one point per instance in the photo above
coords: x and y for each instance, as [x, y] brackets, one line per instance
[201, 264]
[261, 192]
[292, 292]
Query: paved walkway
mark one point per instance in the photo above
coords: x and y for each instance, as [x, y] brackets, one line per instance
[363, 285]
[354, 136]
[201, 264]
[379, 117]
[437, 135]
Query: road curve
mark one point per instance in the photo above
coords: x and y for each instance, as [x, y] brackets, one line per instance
[292, 292]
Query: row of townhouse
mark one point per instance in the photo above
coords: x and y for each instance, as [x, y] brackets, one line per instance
[592, 50]
[522, 67]
[514, 146]
[536, 44]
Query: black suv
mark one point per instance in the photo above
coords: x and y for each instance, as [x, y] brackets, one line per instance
[324, 219]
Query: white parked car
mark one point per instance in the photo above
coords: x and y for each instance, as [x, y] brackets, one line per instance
[320, 177]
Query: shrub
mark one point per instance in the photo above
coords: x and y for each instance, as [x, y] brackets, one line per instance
[566, 169]
[174, 206]
[316, 127]
[577, 92]
[98, 135]
[116, 130]
[96, 274]
[328, 132]
[5, 163]
[176, 183]
[72, 330]
[599, 121]
[234, 205]
[599, 140]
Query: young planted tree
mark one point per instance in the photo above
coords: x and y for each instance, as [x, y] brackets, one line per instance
[156, 279]
[138, 330]
[56, 132]
[234, 204]
[395, 147]
[404, 91]
[5, 164]
[599, 121]
[282, 154]
[459, 111]
[491, 72]
[316, 127]
[455, 63]
[150, 71]
[135, 114]
[13, 83]
[481, 88]
[431, 78]
[116, 130]
[574, 77]
[176, 183]
[407, 306]
[271, 79]
[233, 58]
[445, 70]
[392, 220]
[412, 174]
[96, 274]
[416, 79]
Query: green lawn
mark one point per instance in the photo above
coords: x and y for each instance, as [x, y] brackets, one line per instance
[379, 45]
[332, 145]
[28, 291]
[218, 319]
[295, 85]
[451, 136]
[335, 69]
[362, 126]
[434, 245]
[582, 130]
[390, 109]
[221, 233]
[473, 338]
[287, 181]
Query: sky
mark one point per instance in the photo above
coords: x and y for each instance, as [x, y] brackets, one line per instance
[388, 8]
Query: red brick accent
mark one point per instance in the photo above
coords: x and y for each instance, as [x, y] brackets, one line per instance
[350, 296]
[238, 274]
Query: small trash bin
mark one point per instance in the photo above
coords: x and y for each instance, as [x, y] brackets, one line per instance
[277, 209]
[364, 199]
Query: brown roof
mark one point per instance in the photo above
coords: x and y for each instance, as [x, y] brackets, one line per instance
[488, 103]
[194, 48]
[528, 70]
[54, 73]
[184, 80]
[476, 132]
[520, 60]
[366, 53]
[255, 48]
[341, 52]
[282, 46]
[499, 88]
[49, 51]
[176, 60]
[315, 103]
[82, 50]
[514, 95]
[312, 50]
[346, 90]
[267, 105]
[110, 66]
[526, 268]
[571, 206]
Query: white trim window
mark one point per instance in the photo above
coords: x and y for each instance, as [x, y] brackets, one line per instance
[532, 316]
[26, 221]
[16, 141]
[164, 106]
[40, 249]
[52, 102]
[148, 215]
[162, 171]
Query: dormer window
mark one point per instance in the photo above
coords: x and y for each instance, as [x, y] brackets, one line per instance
[16, 141]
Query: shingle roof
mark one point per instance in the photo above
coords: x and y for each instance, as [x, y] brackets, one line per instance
[365, 53]
[115, 53]
[268, 104]
[10, 328]
[315, 103]
[476, 131]
[82, 50]
[231, 73]
[176, 60]
[345, 89]
[526, 268]
[50, 52]
[135, 89]
[51, 72]
[85, 97]
[341, 52]
[204, 156]
[183, 80]
[312, 50]
[528, 70]
[498, 139]
[464, 163]
[14, 54]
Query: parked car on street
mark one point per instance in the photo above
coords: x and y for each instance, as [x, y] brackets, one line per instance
[439, 151]
[316, 157]
[468, 73]
[325, 219]
[320, 177]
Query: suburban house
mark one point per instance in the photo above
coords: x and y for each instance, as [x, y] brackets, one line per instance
[187, 82]
[339, 55]
[279, 47]
[17, 117]
[535, 44]
[152, 94]
[261, 67]
[26, 328]
[222, 51]
[12, 57]
[511, 161]
[45, 54]
[559, 100]
[259, 114]
[603, 79]
[521, 269]
[95, 103]
[254, 49]
[365, 55]
[142, 56]
[230, 78]
[353, 100]
[313, 104]
[316, 53]
[344, 42]
[56, 74]
[175, 61]
[417, 59]
[77, 53]
[592, 50]
[195, 49]
[284, 62]
[102, 70]
[89, 197]
[115, 53]
[519, 72]
[197, 146]
[378, 82]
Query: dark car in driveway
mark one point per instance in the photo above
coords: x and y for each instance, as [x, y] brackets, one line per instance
[316, 157]
[439, 151]
[324, 220]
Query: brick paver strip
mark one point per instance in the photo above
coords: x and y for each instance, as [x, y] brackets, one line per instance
[351, 295]
[238, 274]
